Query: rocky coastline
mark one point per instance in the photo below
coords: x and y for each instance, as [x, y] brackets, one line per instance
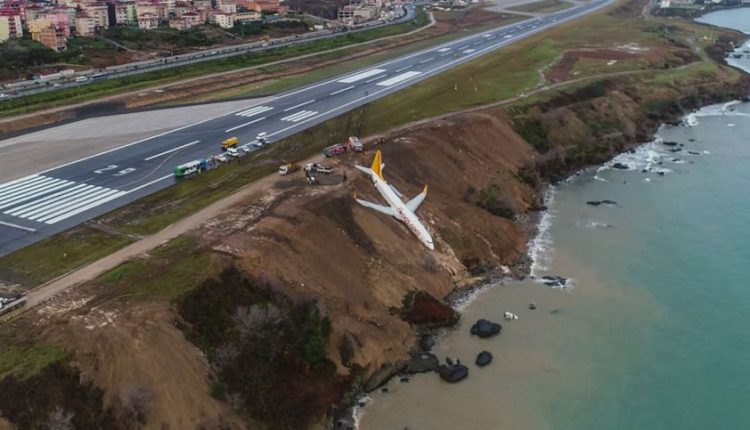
[421, 359]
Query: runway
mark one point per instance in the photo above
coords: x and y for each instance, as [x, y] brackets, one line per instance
[48, 202]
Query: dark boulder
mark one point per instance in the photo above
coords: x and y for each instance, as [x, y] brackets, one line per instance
[609, 202]
[453, 372]
[484, 328]
[382, 375]
[621, 166]
[554, 281]
[694, 153]
[670, 143]
[484, 358]
[422, 309]
[532, 306]
[593, 202]
[423, 362]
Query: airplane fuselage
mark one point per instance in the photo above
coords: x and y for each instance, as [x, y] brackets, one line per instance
[402, 213]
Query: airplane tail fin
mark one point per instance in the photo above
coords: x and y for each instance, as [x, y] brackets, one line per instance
[377, 164]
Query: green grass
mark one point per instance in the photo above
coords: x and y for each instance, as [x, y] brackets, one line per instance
[544, 6]
[166, 273]
[131, 83]
[28, 361]
[59, 254]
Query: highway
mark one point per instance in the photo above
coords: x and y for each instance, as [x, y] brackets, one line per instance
[48, 202]
[27, 88]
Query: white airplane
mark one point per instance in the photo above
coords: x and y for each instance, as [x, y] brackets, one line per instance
[396, 208]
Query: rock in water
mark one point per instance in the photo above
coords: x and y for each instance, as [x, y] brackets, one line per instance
[554, 281]
[532, 306]
[621, 166]
[484, 328]
[593, 202]
[453, 373]
[422, 362]
[484, 358]
[423, 309]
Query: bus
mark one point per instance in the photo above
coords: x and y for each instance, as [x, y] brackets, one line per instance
[190, 168]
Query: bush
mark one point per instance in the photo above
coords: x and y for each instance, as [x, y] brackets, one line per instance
[491, 200]
[270, 354]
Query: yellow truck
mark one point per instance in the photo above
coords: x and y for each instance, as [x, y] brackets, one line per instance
[229, 143]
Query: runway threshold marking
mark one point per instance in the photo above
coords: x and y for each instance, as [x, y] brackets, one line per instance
[171, 150]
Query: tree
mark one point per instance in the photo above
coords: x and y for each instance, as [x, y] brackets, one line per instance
[135, 406]
[254, 320]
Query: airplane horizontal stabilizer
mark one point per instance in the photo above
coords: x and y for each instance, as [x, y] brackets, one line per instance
[380, 208]
[414, 203]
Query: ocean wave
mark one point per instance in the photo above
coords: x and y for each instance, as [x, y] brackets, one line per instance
[540, 246]
[592, 224]
[723, 109]
[466, 299]
[359, 409]
[645, 158]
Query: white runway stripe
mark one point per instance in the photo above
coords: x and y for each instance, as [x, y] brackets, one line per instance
[79, 204]
[299, 105]
[39, 192]
[299, 116]
[254, 111]
[28, 207]
[21, 185]
[23, 191]
[244, 125]
[50, 200]
[444, 50]
[398, 78]
[73, 204]
[342, 90]
[87, 207]
[7, 185]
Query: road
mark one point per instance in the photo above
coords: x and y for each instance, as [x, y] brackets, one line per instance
[48, 202]
[28, 88]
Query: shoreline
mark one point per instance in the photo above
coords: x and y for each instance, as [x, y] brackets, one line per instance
[539, 245]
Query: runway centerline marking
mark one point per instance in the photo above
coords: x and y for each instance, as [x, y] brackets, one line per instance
[245, 124]
[299, 105]
[342, 90]
[359, 76]
[171, 150]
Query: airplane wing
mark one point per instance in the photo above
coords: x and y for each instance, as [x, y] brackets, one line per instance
[380, 208]
[414, 203]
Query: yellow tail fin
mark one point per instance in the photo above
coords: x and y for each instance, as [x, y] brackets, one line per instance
[377, 164]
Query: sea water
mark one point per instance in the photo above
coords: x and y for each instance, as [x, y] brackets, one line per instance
[653, 330]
